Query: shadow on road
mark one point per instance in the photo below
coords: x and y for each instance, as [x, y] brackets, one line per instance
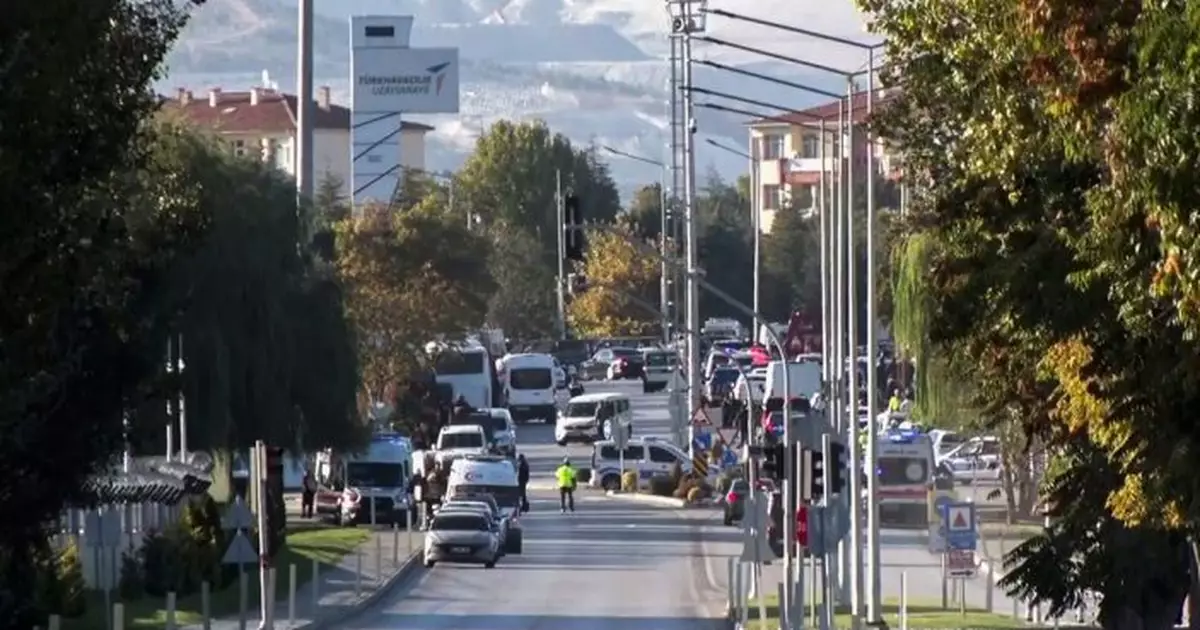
[551, 622]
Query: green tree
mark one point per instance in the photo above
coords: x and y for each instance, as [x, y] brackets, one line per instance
[1058, 263]
[644, 214]
[791, 262]
[524, 304]
[77, 91]
[726, 249]
[510, 180]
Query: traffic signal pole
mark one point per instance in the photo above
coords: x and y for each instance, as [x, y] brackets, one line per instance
[562, 255]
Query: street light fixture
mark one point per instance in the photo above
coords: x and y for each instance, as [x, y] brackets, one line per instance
[664, 218]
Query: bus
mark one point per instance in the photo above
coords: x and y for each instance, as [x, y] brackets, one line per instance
[470, 369]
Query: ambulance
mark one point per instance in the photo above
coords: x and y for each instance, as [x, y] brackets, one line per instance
[905, 474]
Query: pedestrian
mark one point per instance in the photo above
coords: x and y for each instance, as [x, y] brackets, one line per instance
[565, 475]
[523, 481]
[416, 493]
[308, 494]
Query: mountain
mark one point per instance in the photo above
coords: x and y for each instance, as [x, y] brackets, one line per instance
[592, 69]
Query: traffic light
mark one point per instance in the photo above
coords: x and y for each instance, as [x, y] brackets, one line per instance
[837, 463]
[573, 244]
[814, 463]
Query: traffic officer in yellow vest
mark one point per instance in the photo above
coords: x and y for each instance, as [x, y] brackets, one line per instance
[565, 475]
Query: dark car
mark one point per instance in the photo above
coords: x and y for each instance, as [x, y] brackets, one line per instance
[735, 501]
[721, 384]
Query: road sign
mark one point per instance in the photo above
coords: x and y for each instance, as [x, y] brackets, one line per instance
[700, 417]
[240, 550]
[703, 441]
[238, 516]
[958, 523]
[728, 435]
[729, 458]
[960, 563]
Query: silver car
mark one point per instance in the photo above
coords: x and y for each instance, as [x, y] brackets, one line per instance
[463, 537]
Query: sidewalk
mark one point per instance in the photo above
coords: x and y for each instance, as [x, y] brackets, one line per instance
[340, 592]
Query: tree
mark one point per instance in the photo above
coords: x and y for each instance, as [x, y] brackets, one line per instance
[77, 92]
[725, 246]
[411, 277]
[617, 272]
[1058, 263]
[791, 261]
[644, 214]
[524, 303]
[510, 180]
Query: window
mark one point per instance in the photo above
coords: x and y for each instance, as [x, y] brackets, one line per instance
[452, 363]
[461, 440]
[239, 148]
[772, 147]
[900, 471]
[626, 353]
[459, 523]
[530, 378]
[504, 496]
[581, 410]
[622, 406]
[660, 359]
[660, 455]
[770, 197]
[375, 474]
[810, 146]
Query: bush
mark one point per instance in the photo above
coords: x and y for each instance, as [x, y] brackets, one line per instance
[714, 455]
[687, 484]
[726, 478]
[58, 581]
[695, 494]
[661, 486]
[629, 481]
[131, 586]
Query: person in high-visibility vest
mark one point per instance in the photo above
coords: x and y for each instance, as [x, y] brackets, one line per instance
[566, 477]
[894, 401]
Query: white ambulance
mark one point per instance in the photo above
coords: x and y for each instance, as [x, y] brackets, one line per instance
[905, 470]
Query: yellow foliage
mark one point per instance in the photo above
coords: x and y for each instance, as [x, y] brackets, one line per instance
[403, 291]
[615, 267]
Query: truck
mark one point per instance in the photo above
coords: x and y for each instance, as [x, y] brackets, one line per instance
[370, 486]
[804, 379]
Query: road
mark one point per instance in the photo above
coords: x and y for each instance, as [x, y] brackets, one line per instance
[613, 563]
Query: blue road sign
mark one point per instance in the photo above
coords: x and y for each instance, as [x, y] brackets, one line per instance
[703, 440]
[958, 525]
[729, 458]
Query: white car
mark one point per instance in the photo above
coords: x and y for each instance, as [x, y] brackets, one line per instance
[977, 459]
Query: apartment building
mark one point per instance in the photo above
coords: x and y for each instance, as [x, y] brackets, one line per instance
[787, 152]
[262, 122]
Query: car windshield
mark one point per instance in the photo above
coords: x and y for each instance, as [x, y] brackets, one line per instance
[724, 377]
[659, 359]
[581, 410]
[744, 360]
[530, 378]
[451, 363]
[461, 440]
[487, 421]
[382, 475]
[626, 353]
[720, 359]
[902, 471]
[460, 522]
[501, 496]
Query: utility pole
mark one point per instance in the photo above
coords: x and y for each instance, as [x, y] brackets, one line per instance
[664, 270]
[690, 228]
[562, 255]
[856, 520]
[874, 582]
[304, 102]
[756, 222]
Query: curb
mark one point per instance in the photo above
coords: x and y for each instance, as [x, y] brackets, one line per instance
[407, 567]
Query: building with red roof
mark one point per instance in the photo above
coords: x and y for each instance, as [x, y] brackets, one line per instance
[262, 121]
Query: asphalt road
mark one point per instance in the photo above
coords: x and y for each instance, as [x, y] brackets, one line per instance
[536, 441]
[612, 564]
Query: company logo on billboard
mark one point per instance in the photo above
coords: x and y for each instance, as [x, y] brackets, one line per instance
[803, 337]
[431, 82]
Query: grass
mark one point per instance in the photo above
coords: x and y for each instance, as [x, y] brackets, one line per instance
[326, 544]
[922, 614]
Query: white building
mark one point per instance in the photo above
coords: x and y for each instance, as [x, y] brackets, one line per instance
[263, 121]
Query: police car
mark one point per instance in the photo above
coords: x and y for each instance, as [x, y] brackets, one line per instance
[493, 475]
[650, 456]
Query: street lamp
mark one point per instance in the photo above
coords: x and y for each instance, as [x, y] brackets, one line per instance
[755, 217]
[873, 569]
[664, 217]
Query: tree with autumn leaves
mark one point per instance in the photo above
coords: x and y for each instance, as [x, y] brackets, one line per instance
[1052, 151]
[619, 274]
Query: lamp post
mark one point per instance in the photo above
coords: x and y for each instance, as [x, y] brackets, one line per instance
[755, 217]
[664, 284]
[873, 578]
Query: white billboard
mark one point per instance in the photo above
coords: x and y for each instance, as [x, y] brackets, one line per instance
[408, 80]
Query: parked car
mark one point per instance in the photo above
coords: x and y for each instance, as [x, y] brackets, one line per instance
[735, 501]
[598, 366]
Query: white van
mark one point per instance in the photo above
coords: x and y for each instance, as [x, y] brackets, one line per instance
[659, 365]
[495, 476]
[461, 440]
[804, 379]
[649, 456]
[593, 417]
[529, 386]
